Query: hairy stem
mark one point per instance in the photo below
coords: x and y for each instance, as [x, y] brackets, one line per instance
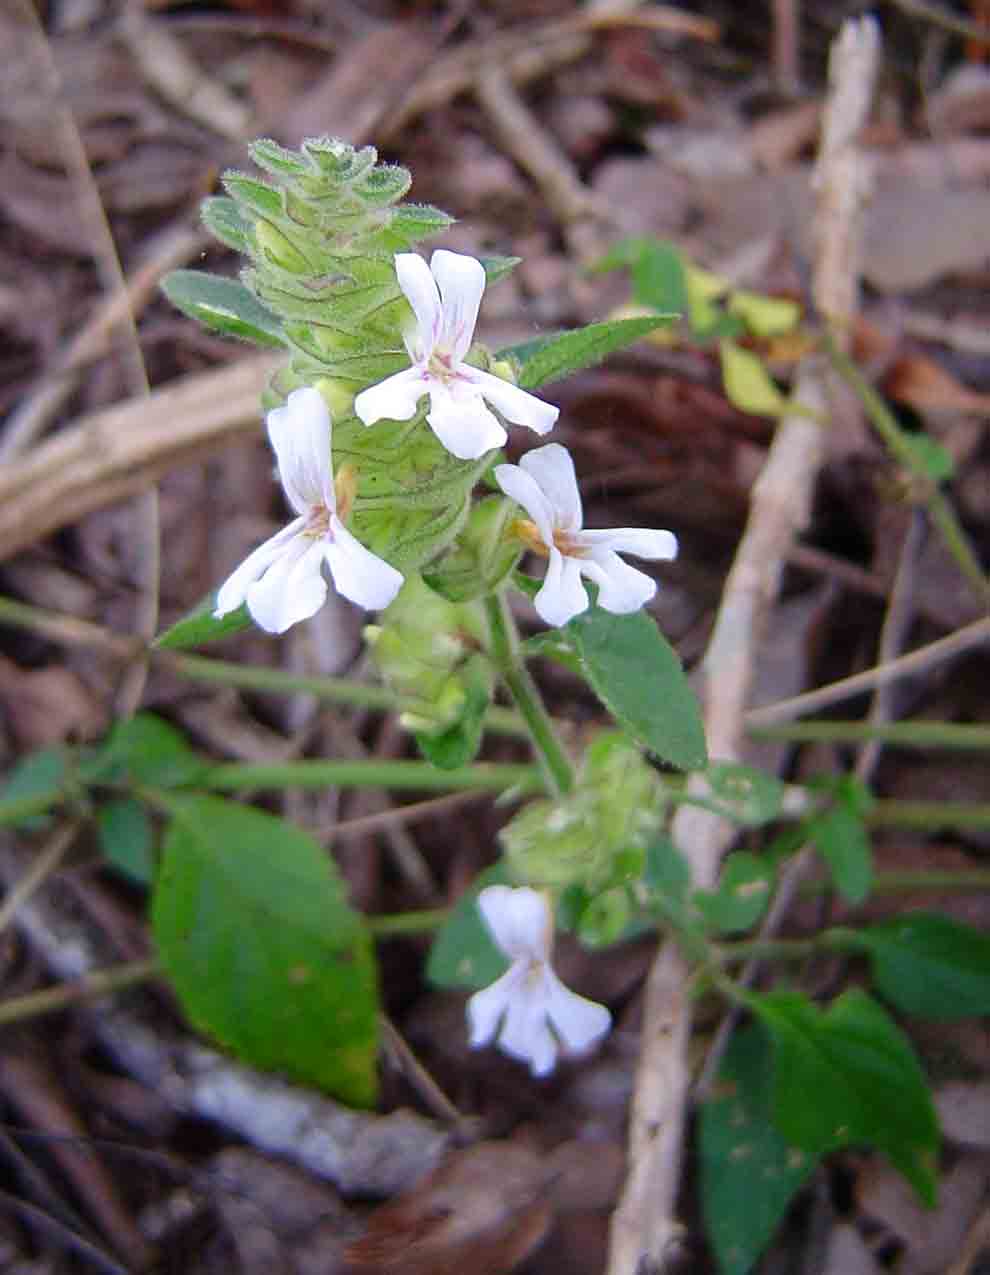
[520, 685]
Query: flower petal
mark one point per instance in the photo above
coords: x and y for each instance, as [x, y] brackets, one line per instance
[518, 919]
[524, 490]
[464, 425]
[621, 588]
[394, 399]
[642, 541]
[461, 280]
[516, 405]
[233, 592]
[292, 589]
[359, 574]
[421, 292]
[525, 1033]
[563, 596]
[300, 435]
[577, 1021]
[485, 1008]
[552, 467]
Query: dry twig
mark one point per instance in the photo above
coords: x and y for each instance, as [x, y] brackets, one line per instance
[644, 1231]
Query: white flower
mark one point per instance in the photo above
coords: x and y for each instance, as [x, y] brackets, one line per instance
[445, 297]
[529, 1008]
[544, 484]
[282, 581]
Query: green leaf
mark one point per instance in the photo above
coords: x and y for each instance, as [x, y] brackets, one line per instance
[497, 268]
[848, 1076]
[745, 794]
[748, 384]
[147, 750]
[40, 774]
[199, 626]
[742, 895]
[257, 196]
[841, 839]
[557, 356]
[929, 965]
[224, 219]
[463, 953]
[263, 950]
[930, 457]
[127, 839]
[223, 305]
[749, 1173]
[638, 677]
[658, 272]
[765, 316]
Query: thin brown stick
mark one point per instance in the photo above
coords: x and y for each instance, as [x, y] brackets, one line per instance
[915, 663]
[145, 514]
[42, 866]
[645, 1233]
[113, 454]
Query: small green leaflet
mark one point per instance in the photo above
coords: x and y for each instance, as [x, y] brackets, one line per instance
[840, 837]
[458, 745]
[223, 305]
[127, 839]
[743, 793]
[463, 953]
[929, 965]
[658, 275]
[265, 954]
[553, 357]
[146, 750]
[34, 783]
[749, 1173]
[866, 1081]
[742, 895]
[200, 626]
[638, 677]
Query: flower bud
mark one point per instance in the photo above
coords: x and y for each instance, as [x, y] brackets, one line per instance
[482, 555]
[423, 646]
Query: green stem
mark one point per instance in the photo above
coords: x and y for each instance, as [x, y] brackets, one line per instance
[99, 983]
[910, 882]
[417, 776]
[384, 927]
[18, 809]
[930, 814]
[898, 442]
[339, 689]
[834, 940]
[959, 735]
[512, 669]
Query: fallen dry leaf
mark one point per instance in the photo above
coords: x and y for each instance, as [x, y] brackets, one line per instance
[483, 1211]
[47, 706]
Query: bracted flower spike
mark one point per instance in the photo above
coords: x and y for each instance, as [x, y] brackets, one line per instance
[445, 297]
[545, 485]
[282, 581]
[529, 1009]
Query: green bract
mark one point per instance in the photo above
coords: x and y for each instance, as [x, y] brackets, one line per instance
[580, 839]
[321, 231]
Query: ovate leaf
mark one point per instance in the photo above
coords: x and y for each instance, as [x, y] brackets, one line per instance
[748, 384]
[146, 750]
[749, 1173]
[127, 839]
[742, 894]
[223, 305]
[463, 953]
[930, 965]
[841, 839]
[638, 677]
[199, 626]
[558, 356]
[848, 1076]
[745, 794]
[265, 954]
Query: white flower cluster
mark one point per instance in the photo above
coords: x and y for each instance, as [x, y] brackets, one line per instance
[283, 582]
